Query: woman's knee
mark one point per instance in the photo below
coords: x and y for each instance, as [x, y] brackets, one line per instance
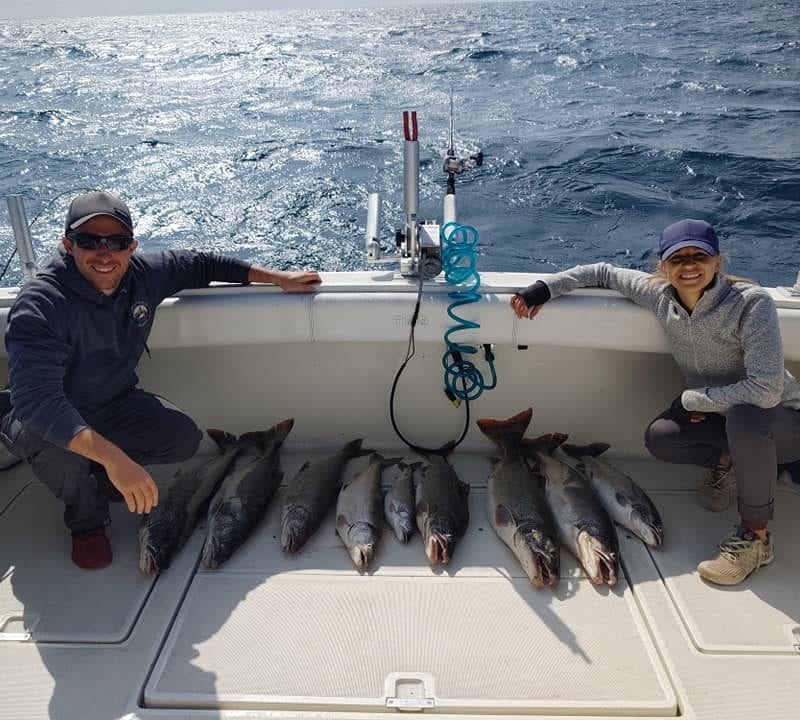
[660, 438]
[747, 419]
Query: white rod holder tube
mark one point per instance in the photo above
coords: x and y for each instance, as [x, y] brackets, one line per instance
[22, 235]
[372, 238]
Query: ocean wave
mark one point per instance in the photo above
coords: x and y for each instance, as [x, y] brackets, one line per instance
[263, 133]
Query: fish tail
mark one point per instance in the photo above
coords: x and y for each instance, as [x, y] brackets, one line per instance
[261, 438]
[544, 443]
[506, 432]
[223, 439]
[353, 449]
[593, 449]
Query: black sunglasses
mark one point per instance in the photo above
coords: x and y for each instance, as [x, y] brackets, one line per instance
[90, 241]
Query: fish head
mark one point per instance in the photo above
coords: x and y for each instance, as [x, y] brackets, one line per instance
[539, 556]
[225, 534]
[598, 555]
[646, 524]
[159, 537]
[400, 517]
[296, 528]
[403, 526]
[360, 541]
[439, 536]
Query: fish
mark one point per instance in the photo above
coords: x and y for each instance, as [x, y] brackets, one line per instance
[310, 494]
[359, 511]
[441, 508]
[243, 496]
[398, 505]
[626, 503]
[516, 504]
[166, 528]
[583, 524]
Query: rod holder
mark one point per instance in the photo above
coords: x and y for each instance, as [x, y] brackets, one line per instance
[22, 235]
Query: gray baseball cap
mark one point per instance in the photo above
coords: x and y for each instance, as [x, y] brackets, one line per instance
[85, 207]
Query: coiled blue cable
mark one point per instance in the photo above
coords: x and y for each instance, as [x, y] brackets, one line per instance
[459, 257]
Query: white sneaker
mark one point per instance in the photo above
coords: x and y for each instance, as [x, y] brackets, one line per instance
[740, 554]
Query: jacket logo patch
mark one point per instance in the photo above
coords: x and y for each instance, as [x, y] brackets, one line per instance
[140, 312]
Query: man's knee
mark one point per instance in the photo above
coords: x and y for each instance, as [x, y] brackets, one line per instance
[184, 441]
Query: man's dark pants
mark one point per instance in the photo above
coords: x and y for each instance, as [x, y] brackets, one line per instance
[149, 429]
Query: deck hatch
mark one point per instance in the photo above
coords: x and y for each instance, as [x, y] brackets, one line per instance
[274, 632]
[754, 617]
[44, 597]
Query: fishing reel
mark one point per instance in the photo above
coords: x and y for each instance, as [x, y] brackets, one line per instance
[418, 244]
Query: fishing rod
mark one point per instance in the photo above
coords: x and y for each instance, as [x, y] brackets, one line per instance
[425, 249]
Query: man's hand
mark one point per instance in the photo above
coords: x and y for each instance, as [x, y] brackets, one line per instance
[134, 483]
[302, 281]
[130, 478]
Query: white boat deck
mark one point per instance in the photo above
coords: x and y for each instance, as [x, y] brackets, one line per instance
[291, 636]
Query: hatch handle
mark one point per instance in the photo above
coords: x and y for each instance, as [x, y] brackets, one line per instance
[7, 636]
[409, 692]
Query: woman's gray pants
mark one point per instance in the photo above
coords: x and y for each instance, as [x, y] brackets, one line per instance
[146, 427]
[757, 439]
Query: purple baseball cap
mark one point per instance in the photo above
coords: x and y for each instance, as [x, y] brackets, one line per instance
[688, 233]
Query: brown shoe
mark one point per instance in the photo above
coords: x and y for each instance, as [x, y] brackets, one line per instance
[91, 549]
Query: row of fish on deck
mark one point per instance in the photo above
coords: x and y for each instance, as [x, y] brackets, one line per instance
[541, 493]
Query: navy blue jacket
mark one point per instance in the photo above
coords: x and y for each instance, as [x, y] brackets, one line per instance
[71, 348]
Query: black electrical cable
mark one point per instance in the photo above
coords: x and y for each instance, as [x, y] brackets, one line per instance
[442, 449]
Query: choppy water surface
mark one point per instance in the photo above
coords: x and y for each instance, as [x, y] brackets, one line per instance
[261, 134]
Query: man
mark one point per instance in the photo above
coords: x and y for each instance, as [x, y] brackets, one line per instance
[75, 335]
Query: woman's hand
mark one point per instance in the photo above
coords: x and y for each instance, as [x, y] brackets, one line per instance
[527, 302]
[520, 307]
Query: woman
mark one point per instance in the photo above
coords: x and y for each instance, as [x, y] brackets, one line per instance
[742, 407]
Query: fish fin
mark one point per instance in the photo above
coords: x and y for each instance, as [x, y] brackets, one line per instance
[305, 465]
[353, 449]
[503, 516]
[621, 499]
[341, 521]
[284, 427]
[493, 460]
[214, 504]
[510, 431]
[445, 449]
[223, 439]
[376, 457]
[593, 449]
[463, 487]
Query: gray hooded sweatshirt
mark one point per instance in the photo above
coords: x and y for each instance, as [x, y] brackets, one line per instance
[729, 347]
